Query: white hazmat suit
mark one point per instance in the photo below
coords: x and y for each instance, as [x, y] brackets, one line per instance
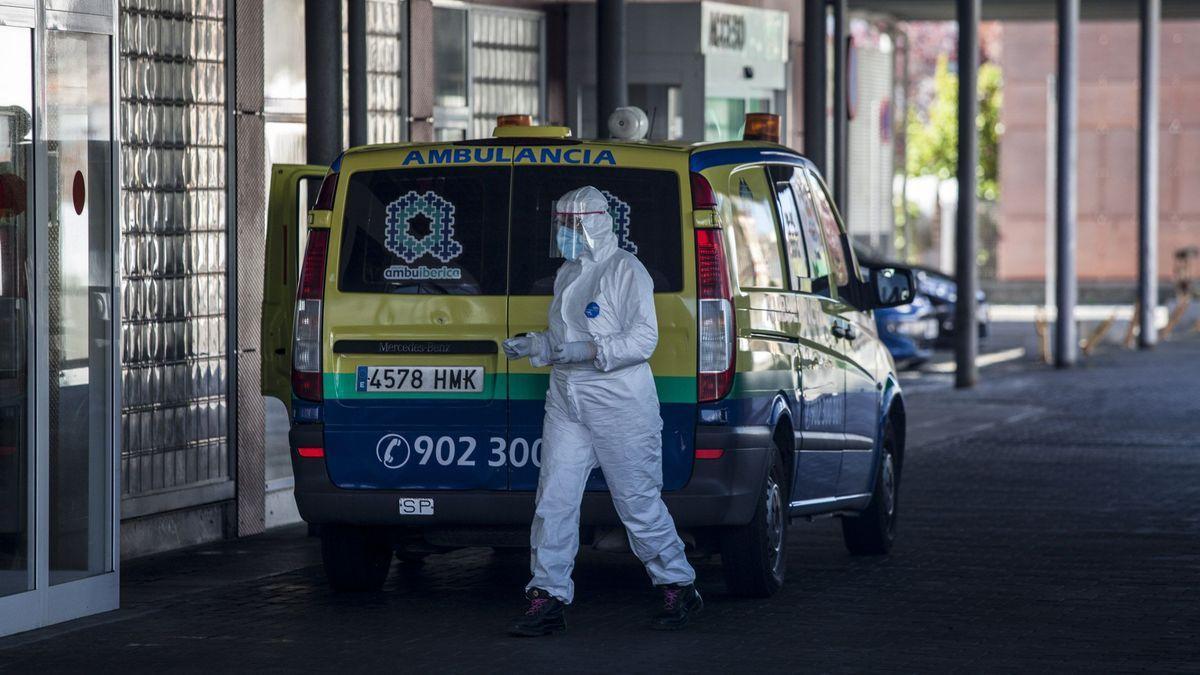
[601, 406]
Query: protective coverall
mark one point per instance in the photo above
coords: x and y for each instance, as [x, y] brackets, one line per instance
[601, 406]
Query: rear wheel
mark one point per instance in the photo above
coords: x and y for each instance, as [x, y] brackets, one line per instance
[355, 558]
[873, 531]
[754, 556]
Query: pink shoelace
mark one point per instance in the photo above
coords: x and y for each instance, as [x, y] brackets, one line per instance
[535, 605]
[671, 597]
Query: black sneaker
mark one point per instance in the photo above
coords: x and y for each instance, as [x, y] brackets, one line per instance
[680, 601]
[546, 615]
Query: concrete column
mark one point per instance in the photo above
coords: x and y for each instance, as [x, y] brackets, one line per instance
[815, 84]
[356, 57]
[1066, 343]
[1151, 11]
[841, 163]
[323, 76]
[612, 89]
[420, 70]
[247, 219]
[966, 335]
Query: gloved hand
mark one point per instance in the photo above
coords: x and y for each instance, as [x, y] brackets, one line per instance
[518, 347]
[574, 352]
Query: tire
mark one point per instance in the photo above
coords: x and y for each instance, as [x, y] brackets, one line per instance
[355, 558]
[754, 556]
[873, 531]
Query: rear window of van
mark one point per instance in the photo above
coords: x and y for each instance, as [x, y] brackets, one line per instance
[446, 230]
[436, 231]
[644, 204]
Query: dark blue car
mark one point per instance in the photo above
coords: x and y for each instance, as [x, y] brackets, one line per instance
[912, 332]
[909, 331]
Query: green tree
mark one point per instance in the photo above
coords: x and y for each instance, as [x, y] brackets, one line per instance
[933, 136]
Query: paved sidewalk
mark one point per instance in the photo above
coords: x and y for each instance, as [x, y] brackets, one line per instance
[1050, 521]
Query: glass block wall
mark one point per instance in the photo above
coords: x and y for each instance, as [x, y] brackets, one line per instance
[506, 66]
[173, 256]
[385, 71]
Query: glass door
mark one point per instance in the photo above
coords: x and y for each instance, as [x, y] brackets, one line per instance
[79, 302]
[16, 198]
[58, 390]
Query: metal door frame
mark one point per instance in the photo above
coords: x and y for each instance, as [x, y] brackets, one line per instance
[46, 604]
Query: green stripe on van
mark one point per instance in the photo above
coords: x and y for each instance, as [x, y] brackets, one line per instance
[527, 387]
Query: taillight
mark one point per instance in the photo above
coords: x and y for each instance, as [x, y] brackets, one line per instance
[306, 331]
[716, 367]
[703, 196]
[325, 194]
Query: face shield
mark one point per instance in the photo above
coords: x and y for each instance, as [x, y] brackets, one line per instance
[568, 239]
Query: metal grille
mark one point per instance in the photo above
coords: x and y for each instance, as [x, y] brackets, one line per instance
[506, 66]
[385, 71]
[173, 267]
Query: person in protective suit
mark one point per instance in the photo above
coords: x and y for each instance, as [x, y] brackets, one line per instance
[601, 410]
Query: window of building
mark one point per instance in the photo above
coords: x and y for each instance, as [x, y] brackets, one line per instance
[725, 118]
[507, 66]
[450, 56]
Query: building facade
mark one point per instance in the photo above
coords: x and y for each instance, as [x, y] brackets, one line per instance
[1108, 137]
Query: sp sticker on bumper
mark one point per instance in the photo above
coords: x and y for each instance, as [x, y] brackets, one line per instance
[416, 506]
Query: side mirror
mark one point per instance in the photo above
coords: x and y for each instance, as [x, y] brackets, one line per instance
[890, 286]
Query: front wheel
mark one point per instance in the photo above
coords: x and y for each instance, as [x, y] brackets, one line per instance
[873, 531]
[754, 556]
[355, 558]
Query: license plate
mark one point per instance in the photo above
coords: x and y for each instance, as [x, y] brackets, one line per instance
[416, 506]
[462, 379]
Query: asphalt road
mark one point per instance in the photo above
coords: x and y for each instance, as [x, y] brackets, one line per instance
[1050, 521]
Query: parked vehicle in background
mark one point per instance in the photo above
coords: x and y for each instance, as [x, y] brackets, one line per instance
[941, 292]
[411, 433]
[909, 331]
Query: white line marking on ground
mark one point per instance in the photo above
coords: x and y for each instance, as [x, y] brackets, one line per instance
[983, 360]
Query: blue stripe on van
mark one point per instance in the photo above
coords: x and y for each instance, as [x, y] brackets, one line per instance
[704, 159]
[464, 444]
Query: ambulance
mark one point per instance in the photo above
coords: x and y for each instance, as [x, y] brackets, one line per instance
[393, 276]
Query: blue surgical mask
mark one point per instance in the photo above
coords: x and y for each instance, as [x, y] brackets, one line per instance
[568, 243]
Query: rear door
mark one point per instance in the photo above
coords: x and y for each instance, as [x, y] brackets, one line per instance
[643, 191]
[293, 187]
[416, 309]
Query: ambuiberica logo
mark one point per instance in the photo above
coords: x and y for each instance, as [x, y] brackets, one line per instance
[412, 209]
[620, 211]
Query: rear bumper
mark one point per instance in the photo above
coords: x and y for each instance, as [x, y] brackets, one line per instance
[720, 491]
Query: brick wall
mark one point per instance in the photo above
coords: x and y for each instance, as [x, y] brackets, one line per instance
[1108, 90]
